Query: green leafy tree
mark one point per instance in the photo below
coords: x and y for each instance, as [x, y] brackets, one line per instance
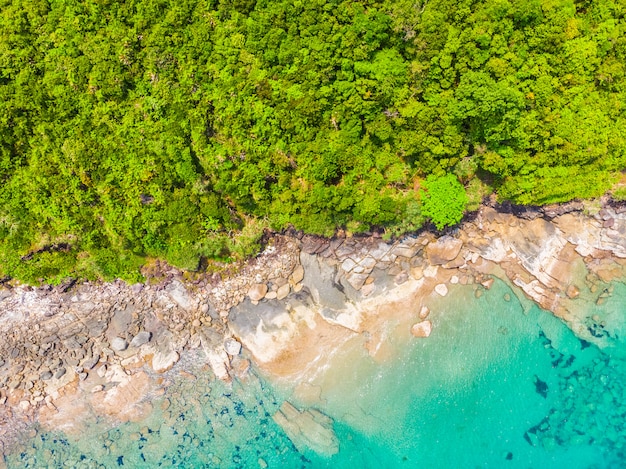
[443, 200]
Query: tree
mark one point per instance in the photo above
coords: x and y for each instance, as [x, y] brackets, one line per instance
[443, 200]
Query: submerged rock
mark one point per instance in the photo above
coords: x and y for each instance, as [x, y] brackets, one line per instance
[422, 329]
[308, 429]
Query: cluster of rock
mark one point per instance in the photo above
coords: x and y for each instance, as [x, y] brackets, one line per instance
[600, 424]
[111, 341]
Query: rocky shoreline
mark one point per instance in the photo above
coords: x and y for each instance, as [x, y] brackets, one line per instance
[114, 347]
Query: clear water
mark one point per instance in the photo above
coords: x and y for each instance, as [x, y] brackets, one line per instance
[499, 384]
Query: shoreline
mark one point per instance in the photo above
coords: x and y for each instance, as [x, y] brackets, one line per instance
[116, 346]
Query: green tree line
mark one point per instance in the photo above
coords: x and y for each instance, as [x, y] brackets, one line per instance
[179, 130]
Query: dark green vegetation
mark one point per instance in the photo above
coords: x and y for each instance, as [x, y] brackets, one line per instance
[180, 129]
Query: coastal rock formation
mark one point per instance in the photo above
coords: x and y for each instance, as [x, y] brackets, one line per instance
[308, 429]
[292, 304]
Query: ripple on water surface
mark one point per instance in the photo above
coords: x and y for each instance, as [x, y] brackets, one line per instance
[497, 384]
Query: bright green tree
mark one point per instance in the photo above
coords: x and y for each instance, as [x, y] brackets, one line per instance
[443, 200]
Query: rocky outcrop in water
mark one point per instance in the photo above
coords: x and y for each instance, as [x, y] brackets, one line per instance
[308, 429]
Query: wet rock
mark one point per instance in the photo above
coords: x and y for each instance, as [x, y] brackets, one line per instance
[422, 329]
[257, 291]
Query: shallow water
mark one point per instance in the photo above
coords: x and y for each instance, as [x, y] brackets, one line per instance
[498, 384]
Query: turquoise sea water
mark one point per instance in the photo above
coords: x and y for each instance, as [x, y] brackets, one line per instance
[499, 384]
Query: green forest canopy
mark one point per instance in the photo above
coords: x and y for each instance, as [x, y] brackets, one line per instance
[180, 129]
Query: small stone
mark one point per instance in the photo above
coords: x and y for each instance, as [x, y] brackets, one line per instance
[118, 344]
[140, 339]
[271, 295]
[454, 280]
[441, 289]
[46, 375]
[59, 373]
[424, 312]
[488, 283]
[262, 463]
[507, 297]
[257, 292]
[97, 388]
[422, 329]
[478, 293]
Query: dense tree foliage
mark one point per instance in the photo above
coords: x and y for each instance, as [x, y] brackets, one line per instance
[180, 129]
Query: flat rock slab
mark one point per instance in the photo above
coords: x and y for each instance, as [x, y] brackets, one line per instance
[308, 429]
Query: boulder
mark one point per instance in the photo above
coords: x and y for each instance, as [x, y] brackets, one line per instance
[441, 289]
[232, 346]
[164, 361]
[180, 295]
[118, 344]
[422, 328]
[142, 338]
[257, 291]
[443, 250]
[283, 291]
